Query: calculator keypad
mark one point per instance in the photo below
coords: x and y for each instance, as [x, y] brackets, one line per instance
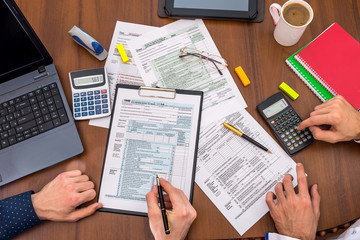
[90, 103]
[285, 126]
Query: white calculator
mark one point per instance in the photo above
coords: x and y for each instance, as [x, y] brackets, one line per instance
[90, 93]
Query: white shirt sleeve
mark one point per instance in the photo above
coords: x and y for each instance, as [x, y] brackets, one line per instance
[352, 233]
[276, 236]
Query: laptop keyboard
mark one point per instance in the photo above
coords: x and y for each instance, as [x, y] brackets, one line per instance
[31, 114]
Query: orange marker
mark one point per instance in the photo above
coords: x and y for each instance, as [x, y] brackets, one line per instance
[244, 79]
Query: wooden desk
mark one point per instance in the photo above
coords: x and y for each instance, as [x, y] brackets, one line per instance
[335, 167]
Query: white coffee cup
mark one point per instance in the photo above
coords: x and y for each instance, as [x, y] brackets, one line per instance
[285, 33]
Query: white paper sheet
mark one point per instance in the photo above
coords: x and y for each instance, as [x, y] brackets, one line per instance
[235, 174]
[157, 52]
[119, 72]
[148, 136]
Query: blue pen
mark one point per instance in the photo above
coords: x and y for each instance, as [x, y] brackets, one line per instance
[88, 42]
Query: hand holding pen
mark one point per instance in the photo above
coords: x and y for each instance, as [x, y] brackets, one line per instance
[180, 212]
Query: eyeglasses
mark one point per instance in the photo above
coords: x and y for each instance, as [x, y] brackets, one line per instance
[193, 55]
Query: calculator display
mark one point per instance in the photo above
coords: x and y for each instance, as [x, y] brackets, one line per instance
[88, 80]
[275, 108]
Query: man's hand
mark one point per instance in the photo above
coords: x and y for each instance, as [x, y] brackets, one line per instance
[181, 215]
[58, 200]
[343, 119]
[295, 215]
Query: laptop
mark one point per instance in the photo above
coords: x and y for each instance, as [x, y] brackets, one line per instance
[36, 125]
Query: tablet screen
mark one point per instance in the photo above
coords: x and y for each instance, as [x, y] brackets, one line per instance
[213, 9]
[233, 5]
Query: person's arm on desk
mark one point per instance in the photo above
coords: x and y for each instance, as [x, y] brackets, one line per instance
[57, 201]
[181, 215]
[341, 117]
[295, 215]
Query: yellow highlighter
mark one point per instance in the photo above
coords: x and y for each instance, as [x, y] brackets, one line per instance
[122, 52]
[244, 79]
[289, 91]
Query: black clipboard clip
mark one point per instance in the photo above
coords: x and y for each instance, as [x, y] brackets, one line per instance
[157, 92]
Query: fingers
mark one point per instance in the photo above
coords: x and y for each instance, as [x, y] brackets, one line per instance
[302, 181]
[84, 212]
[325, 104]
[166, 197]
[321, 111]
[174, 194]
[304, 124]
[314, 121]
[289, 189]
[85, 196]
[81, 178]
[152, 198]
[315, 200]
[269, 199]
[338, 100]
[279, 191]
[179, 201]
[152, 204]
[84, 186]
[167, 201]
[323, 135]
[72, 173]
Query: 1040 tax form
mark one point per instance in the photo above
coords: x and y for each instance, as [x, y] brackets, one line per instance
[152, 132]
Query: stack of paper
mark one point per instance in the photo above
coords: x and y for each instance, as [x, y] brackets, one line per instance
[233, 173]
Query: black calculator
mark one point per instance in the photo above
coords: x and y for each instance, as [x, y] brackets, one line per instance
[283, 120]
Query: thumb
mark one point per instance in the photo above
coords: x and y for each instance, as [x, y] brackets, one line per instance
[152, 203]
[323, 135]
[84, 212]
[315, 200]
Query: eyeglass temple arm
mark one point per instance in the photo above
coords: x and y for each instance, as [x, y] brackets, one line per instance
[194, 54]
[213, 61]
[204, 57]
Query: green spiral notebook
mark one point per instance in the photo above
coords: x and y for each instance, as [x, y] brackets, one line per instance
[319, 90]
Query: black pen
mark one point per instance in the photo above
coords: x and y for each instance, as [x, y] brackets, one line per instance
[162, 206]
[238, 132]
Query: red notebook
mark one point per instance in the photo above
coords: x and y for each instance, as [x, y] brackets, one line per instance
[333, 58]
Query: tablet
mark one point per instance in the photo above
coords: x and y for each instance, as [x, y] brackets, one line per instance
[215, 9]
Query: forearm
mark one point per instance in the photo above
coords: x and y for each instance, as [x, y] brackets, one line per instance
[17, 215]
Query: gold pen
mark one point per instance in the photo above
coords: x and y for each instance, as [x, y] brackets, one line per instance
[241, 134]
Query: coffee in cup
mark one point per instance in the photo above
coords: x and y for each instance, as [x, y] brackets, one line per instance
[294, 17]
[296, 14]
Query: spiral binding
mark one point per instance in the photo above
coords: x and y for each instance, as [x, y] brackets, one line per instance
[315, 74]
[311, 87]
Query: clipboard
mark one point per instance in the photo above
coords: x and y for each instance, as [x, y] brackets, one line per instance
[152, 131]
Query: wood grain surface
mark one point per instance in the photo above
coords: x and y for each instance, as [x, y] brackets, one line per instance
[335, 167]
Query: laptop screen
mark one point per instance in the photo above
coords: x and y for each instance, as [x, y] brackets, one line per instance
[21, 52]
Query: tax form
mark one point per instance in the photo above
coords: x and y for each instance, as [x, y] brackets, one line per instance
[157, 52]
[149, 136]
[117, 71]
[235, 174]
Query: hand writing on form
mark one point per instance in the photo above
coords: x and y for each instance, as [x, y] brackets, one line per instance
[180, 212]
[59, 199]
[343, 119]
[295, 215]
